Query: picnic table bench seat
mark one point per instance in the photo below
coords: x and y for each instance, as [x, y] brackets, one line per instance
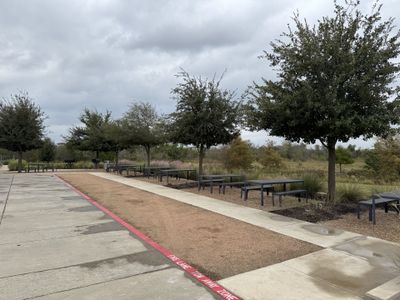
[373, 203]
[210, 182]
[297, 193]
[245, 189]
[223, 185]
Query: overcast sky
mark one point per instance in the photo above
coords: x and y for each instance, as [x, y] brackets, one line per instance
[106, 54]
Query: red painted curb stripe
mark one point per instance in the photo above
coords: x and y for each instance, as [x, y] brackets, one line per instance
[218, 289]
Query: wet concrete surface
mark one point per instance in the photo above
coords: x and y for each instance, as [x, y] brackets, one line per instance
[56, 245]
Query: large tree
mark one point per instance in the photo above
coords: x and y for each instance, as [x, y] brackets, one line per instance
[48, 150]
[335, 81]
[206, 115]
[92, 135]
[21, 125]
[116, 137]
[144, 127]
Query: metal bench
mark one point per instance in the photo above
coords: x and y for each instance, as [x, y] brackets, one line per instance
[203, 183]
[245, 189]
[372, 203]
[222, 185]
[297, 193]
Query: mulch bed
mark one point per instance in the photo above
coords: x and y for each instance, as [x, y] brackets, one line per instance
[315, 213]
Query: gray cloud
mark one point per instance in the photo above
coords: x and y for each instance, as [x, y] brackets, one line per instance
[104, 54]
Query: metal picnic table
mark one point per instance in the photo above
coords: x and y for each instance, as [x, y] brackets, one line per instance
[147, 171]
[169, 172]
[384, 199]
[263, 182]
[128, 167]
[216, 178]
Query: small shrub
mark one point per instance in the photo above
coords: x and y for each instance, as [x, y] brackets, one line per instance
[84, 165]
[271, 159]
[349, 193]
[312, 183]
[13, 164]
[238, 155]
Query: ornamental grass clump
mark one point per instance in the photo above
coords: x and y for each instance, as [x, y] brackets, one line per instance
[349, 193]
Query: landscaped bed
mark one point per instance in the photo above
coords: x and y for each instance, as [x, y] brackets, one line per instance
[216, 245]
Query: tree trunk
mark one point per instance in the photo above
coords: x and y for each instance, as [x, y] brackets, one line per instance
[96, 165]
[116, 157]
[202, 153]
[147, 148]
[331, 171]
[19, 161]
[340, 168]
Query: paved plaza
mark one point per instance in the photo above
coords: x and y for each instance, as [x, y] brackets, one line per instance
[55, 245]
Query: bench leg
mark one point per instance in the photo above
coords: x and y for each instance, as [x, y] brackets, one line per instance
[223, 191]
[373, 213]
[262, 195]
[246, 194]
[280, 201]
[273, 200]
[358, 211]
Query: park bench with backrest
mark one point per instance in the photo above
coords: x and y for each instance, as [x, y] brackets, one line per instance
[298, 193]
[37, 167]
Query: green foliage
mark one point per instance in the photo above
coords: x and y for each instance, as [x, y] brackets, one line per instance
[13, 164]
[48, 150]
[335, 80]
[312, 183]
[176, 152]
[92, 135]
[144, 127]
[343, 157]
[349, 193]
[271, 159]
[297, 152]
[205, 116]
[384, 159]
[238, 155]
[21, 124]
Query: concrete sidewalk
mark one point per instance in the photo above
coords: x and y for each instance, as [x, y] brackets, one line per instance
[55, 245]
[352, 266]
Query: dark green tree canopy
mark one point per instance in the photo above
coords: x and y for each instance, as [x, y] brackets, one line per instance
[206, 115]
[48, 150]
[21, 124]
[144, 127]
[92, 135]
[334, 79]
